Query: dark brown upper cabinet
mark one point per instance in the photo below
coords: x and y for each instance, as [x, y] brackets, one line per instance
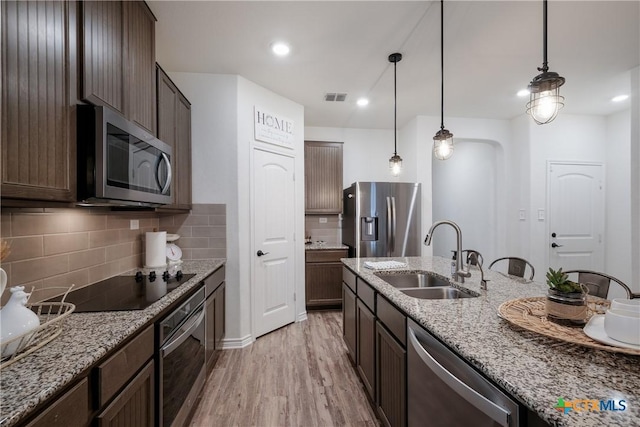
[118, 59]
[323, 177]
[174, 128]
[38, 99]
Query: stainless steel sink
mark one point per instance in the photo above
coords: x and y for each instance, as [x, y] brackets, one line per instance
[407, 280]
[445, 292]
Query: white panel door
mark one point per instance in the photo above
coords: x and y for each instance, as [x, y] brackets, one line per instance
[576, 216]
[273, 231]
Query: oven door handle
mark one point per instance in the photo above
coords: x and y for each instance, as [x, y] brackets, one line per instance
[171, 346]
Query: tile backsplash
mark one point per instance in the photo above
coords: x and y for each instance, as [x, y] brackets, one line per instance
[202, 232]
[58, 247]
[329, 231]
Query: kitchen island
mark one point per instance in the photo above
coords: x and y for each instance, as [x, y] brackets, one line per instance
[534, 369]
[86, 339]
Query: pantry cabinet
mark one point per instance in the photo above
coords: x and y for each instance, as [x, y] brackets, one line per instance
[174, 128]
[323, 177]
[38, 98]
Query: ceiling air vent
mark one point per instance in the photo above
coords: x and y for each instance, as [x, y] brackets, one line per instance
[337, 97]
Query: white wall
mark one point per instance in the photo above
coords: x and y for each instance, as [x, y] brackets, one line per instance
[222, 138]
[635, 178]
[214, 151]
[570, 138]
[250, 95]
[465, 192]
[618, 202]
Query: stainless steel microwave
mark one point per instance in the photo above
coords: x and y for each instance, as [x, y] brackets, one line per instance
[119, 163]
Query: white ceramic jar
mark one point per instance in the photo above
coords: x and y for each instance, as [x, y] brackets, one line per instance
[16, 319]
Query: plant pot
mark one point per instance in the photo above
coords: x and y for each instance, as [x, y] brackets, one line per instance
[568, 309]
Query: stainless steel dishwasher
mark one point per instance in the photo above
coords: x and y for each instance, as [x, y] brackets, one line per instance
[443, 390]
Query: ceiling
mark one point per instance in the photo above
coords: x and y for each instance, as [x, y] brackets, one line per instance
[491, 50]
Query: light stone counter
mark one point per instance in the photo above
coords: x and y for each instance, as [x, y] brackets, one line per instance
[315, 246]
[86, 338]
[535, 369]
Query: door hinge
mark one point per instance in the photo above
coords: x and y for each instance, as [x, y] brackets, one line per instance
[294, 296]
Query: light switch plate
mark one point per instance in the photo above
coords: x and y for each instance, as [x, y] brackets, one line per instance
[522, 215]
[540, 214]
[323, 220]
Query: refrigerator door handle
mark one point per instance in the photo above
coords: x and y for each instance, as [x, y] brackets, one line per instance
[391, 225]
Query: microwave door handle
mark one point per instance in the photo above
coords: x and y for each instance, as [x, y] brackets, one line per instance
[167, 184]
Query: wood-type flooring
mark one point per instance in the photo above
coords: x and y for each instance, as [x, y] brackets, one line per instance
[298, 375]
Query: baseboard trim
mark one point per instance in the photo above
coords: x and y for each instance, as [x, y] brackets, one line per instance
[302, 317]
[234, 343]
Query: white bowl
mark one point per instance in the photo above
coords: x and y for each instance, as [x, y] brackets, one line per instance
[626, 304]
[623, 325]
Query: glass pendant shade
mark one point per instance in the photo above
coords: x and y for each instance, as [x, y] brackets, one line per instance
[443, 144]
[545, 100]
[395, 165]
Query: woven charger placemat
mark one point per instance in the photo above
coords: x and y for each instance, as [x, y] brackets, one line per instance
[529, 313]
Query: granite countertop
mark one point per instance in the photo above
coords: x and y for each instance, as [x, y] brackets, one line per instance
[86, 338]
[535, 369]
[316, 246]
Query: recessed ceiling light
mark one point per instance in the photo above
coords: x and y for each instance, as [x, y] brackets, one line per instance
[362, 102]
[619, 98]
[523, 92]
[280, 49]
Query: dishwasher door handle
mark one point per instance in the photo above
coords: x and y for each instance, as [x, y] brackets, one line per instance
[489, 408]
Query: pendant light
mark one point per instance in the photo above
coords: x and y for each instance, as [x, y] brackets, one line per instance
[443, 141]
[395, 162]
[544, 99]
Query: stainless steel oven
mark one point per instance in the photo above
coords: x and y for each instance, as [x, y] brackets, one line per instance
[181, 360]
[119, 162]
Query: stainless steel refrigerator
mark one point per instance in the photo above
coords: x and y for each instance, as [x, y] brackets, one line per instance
[382, 219]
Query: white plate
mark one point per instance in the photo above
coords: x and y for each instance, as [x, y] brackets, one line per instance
[595, 330]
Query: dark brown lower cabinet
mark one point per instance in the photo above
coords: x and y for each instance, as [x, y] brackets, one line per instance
[323, 278]
[134, 405]
[349, 321]
[391, 369]
[366, 348]
[214, 326]
[72, 409]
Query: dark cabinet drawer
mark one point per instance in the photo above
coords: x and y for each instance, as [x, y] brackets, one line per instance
[349, 279]
[72, 409]
[393, 319]
[366, 294]
[114, 373]
[325, 255]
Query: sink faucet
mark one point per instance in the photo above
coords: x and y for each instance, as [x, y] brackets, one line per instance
[460, 272]
[471, 258]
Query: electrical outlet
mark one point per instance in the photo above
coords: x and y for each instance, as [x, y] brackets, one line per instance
[323, 220]
[134, 224]
[540, 214]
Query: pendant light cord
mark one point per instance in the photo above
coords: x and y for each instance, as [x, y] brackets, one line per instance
[442, 64]
[545, 66]
[395, 109]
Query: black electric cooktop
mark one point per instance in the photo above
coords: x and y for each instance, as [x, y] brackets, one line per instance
[122, 293]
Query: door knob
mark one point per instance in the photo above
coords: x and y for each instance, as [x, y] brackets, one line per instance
[555, 245]
[260, 253]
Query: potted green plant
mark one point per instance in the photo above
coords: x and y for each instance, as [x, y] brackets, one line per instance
[566, 300]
